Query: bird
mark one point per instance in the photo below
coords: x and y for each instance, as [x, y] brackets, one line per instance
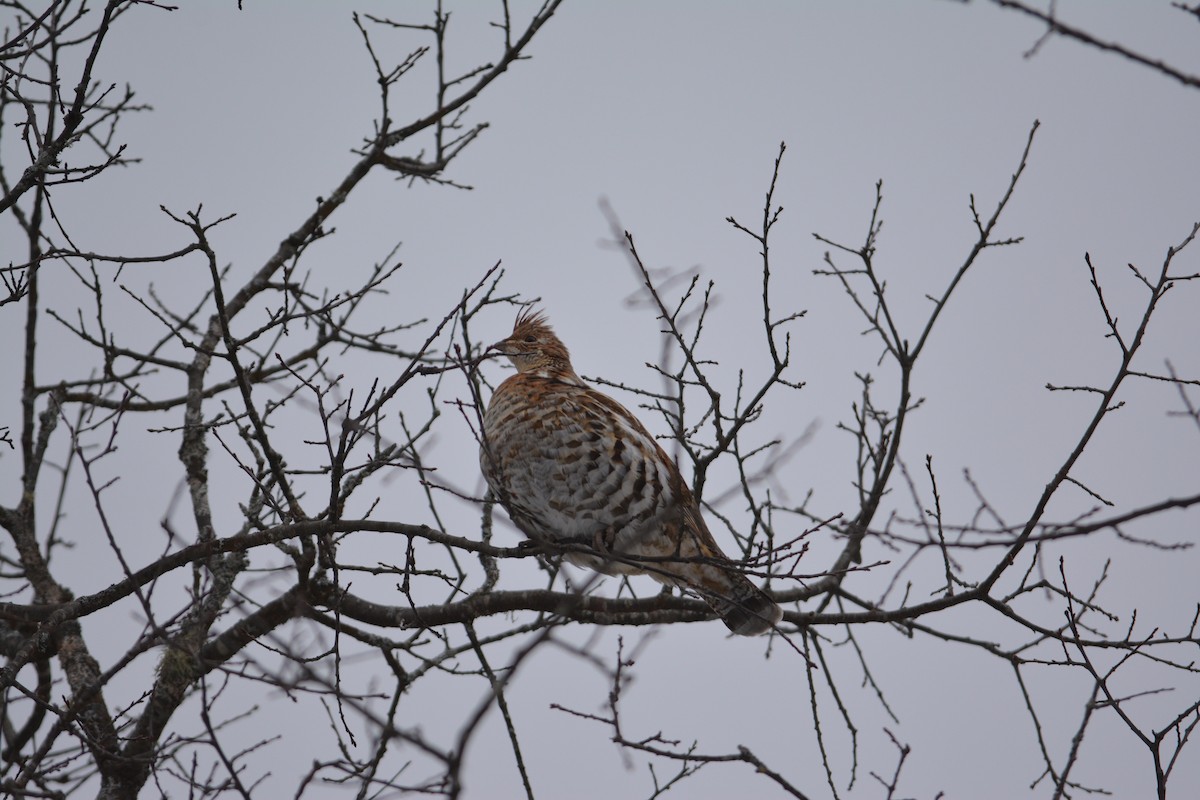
[575, 469]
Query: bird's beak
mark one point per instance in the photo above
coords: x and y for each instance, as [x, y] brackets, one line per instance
[501, 347]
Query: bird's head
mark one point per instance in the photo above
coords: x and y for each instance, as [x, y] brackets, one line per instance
[533, 347]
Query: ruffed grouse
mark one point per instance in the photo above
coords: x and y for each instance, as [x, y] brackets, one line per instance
[572, 465]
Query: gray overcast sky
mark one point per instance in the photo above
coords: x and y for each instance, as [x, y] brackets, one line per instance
[674, 112]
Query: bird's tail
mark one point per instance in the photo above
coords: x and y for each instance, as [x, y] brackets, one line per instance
[743, 607]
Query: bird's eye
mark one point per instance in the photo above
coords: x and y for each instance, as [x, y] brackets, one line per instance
[530, 339]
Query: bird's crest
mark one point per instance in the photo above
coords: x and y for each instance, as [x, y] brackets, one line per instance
[531, 321]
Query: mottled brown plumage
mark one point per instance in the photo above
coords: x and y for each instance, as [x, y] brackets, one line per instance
[570, 464]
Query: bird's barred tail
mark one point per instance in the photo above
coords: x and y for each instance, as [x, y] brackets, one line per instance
[744, 608]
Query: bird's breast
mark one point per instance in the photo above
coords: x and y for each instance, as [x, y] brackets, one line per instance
[571, 460]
